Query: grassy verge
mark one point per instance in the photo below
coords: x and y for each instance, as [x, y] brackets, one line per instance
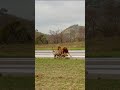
[71, 46]
[103, 84]
[16, 50]
[104, 47]
[56, 74]
[16, 83]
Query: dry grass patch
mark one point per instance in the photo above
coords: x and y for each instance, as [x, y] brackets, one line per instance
[72, 46]
[53, 74]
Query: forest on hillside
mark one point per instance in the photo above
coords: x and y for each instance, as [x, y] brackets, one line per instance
[74, 33]
[14, 29]
[102, 28]
[16, 35]
[102, 19]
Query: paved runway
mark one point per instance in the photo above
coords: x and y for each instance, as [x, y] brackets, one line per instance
[108, 68]
[95, 67]
[48, 53]
[17, 66]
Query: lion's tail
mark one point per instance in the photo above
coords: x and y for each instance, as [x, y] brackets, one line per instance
[53, 51]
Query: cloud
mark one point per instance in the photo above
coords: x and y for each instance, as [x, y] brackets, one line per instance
[58, 14]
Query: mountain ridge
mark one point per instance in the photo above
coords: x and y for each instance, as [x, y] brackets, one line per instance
[71, 34]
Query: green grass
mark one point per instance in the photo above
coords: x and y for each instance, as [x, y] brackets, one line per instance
[103, 84]
[59, 74]
[17, 83]
[103, 47]
[16, 50]
[71, 46]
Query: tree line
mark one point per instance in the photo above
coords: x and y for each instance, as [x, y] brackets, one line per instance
[102, 18]
[59, 36]
[14, 29]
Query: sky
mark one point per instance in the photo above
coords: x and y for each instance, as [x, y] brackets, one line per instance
[54, 15]
[19, 8]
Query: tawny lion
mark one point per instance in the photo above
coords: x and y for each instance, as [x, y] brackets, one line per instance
[61, 52]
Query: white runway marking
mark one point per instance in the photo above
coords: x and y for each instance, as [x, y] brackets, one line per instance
[48, 53]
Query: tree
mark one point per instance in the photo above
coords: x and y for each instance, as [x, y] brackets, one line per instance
[16, 32]
[40, 38]
[3, 11]
[54, 36]
[61, 37]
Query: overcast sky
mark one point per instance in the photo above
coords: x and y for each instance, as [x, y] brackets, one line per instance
[51, 15]
[19, 8]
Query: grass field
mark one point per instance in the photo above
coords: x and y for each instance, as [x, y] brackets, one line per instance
[16, 50]
[104, 47]
[56, 74]
[17, 83]
[71, 46]
[103, 84]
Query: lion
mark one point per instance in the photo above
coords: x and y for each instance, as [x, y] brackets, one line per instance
[57, 53]
[61, 52]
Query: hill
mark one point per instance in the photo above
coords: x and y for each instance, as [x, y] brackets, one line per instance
[14, 29]
[74, 33]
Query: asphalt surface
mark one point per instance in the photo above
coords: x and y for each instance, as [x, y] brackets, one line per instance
[26, 66]
[108, 68]
[105, 68]
[17, 66]
[48, 53]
